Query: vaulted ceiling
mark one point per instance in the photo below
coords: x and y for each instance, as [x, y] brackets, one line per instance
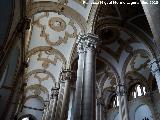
[6, 11]
[127, 44]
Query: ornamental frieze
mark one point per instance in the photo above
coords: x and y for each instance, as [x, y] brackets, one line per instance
[49, 51]
[37, 89]
[46, 75]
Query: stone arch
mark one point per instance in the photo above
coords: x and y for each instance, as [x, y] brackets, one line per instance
[43, 6]
[37, 90]
[46, 48]
[34, 96]
[32, 104]
[112, 67]
[142, 111]
[133, 78]
[40, 71]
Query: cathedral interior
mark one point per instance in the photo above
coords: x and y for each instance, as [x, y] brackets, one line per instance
[79, 60]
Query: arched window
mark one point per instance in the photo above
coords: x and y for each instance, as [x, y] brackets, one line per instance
[137, 90]
[26, 118]
[114, 102]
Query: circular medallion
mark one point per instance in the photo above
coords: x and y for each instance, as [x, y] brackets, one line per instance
[57, 24]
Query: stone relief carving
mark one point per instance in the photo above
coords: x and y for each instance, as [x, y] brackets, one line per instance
[57, 24]
[49, 51]
[46, 61]
[38, 71]
[37, 89]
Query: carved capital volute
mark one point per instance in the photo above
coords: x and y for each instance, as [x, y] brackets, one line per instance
[91, 41]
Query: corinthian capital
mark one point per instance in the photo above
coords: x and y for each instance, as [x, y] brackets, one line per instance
[87, 42]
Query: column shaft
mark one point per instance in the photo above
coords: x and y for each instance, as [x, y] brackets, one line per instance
[89, 87]
[65, 103]
[99, 103]
[53, 109]
[120, 107]
[78, 92]
[123, 105]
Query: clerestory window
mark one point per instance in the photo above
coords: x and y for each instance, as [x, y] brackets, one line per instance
[137, 90]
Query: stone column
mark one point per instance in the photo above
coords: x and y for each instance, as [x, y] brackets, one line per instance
[51, 105]
[45, 111]
[154, 66]
[54, 97]
[79, 81]
[89, 83]
[65, 77]
[100, 102]
[123, 105]
[50, 108]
